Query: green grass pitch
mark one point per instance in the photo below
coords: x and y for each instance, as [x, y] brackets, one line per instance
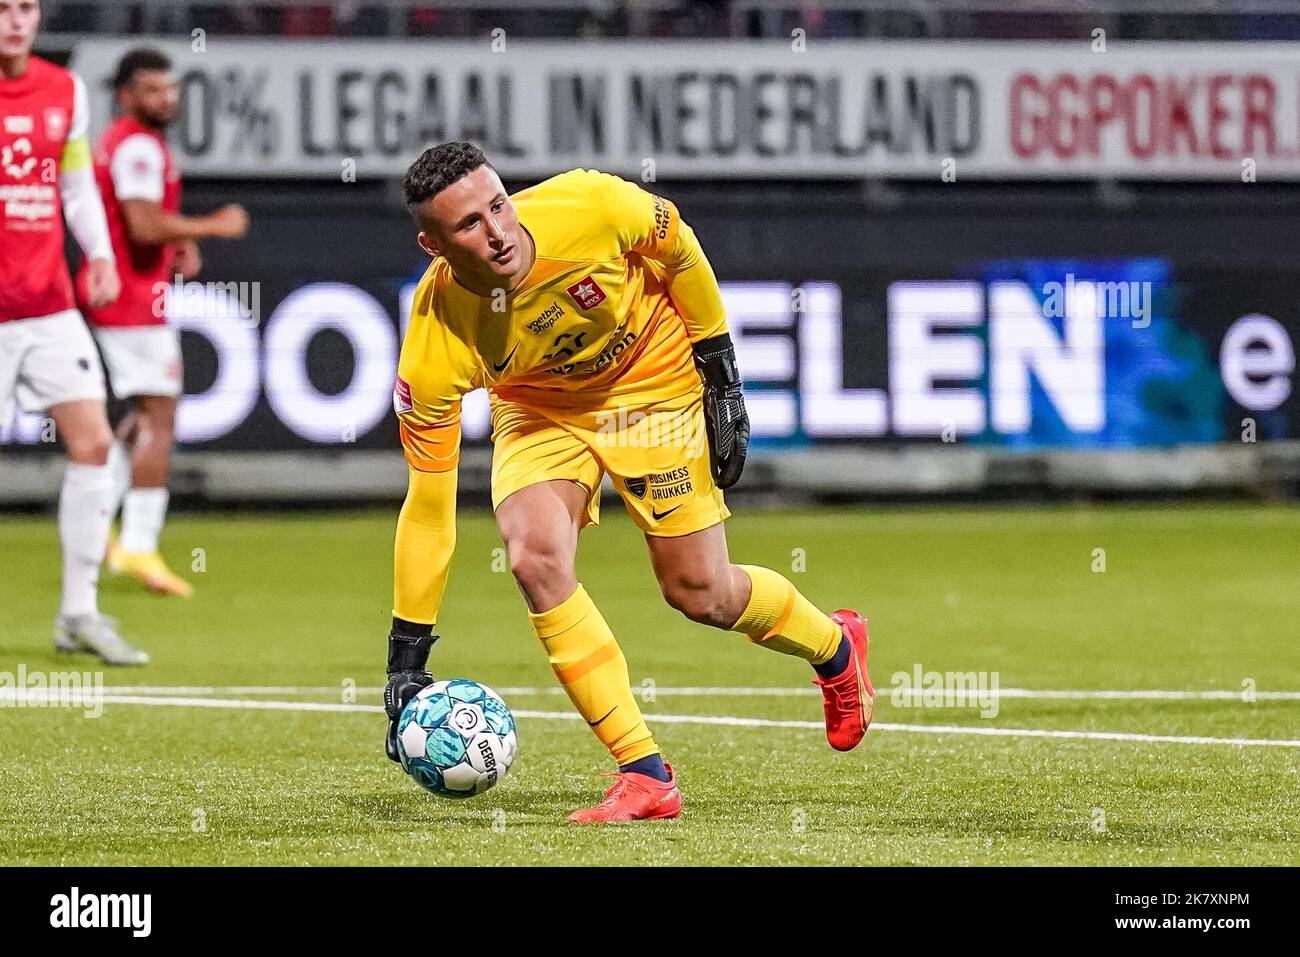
[1193, 598]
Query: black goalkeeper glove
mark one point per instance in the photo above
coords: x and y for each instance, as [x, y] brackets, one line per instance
[726, 420]
[408, 651]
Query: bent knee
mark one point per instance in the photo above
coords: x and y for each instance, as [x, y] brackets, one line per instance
[89, 447]
[541, 571]
[703, 599]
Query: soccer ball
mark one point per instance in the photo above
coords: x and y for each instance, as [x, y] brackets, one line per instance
[456, 738]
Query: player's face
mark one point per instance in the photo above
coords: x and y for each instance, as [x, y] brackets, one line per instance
[152, 97]
[474, 226]
[18, 22]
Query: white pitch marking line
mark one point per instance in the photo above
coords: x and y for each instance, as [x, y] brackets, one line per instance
[740, 692]
[227, 689]
[252, 704]
[32, 698]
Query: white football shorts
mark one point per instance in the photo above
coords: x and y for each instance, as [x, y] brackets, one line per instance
[141, 360]
[47, 360]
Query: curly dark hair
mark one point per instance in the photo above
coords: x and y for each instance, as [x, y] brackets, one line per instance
[437, 168]
[139, 60]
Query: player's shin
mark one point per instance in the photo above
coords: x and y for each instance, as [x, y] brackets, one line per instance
[119, 468]
[143, 512]
[780, 619]
[84, 518]
[590, 665]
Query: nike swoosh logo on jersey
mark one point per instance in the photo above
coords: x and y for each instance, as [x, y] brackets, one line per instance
[607, 714]
[505, 362]
[658, 514]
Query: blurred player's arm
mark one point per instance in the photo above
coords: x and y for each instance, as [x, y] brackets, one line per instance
[650, 225]
[83, 207]
[138, 170]
[151, 225]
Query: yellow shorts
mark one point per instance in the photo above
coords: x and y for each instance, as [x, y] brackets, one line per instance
[657, 456]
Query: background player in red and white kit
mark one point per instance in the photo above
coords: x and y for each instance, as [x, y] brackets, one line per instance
[141, 186]
[47, 358]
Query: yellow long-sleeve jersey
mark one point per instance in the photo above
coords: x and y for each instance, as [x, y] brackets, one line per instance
[604, 320]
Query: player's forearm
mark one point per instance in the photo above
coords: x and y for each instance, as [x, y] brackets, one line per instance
[694, 288]
[425, 541]
[84, 211]
[150, 225]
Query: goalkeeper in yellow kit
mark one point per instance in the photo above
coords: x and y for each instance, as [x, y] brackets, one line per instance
[588, 310]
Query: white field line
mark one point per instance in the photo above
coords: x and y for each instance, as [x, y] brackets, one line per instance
[1065, 694]
[723, 720]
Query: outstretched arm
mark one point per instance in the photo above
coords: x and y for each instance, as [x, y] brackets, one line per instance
[426, 538]
[422, 550]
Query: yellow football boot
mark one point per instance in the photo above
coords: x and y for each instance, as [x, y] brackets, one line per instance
[149, 570]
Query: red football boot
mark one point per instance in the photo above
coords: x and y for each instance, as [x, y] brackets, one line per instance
[849, 699]
[634, 797]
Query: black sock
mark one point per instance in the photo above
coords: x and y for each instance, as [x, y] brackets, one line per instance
[835, 667]
[652, 765]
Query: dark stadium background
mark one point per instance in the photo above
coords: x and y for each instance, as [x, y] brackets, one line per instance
[1224, 247]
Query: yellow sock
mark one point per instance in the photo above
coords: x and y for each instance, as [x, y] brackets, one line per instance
[779, 618]
[589, 663]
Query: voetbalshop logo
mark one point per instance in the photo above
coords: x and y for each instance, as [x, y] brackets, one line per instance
[75, 909]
